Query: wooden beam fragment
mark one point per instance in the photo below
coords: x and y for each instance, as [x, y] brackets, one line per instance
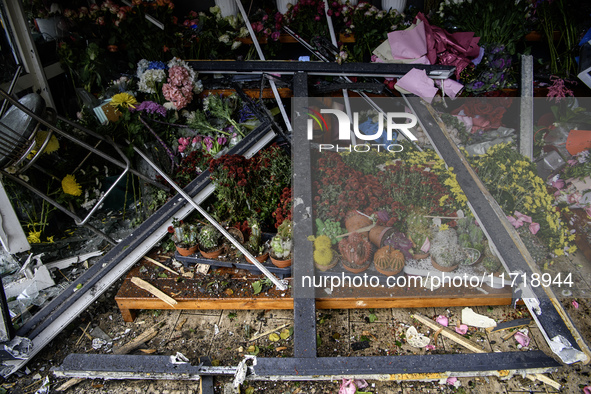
[446, 332]
[142, 284]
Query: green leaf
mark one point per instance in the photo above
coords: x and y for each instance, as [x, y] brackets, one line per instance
[285, 333]
[372, 317]
[257, 287]
[162, 275]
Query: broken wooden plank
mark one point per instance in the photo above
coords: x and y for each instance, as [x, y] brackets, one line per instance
[518, 323]
[159, 264]
[544, 379]
[446, 332]
[269, 332]
[142, 284]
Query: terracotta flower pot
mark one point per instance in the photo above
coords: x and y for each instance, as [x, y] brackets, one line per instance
[356, 270]
[355, 221]
[280, 263]
[442, 268]
[186, 251]
[389, 273]
[237, 234]
[378, 233]
[261, 258]
[212, 254]
[332, 264]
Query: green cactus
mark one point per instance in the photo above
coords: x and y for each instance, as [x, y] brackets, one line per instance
[254, 241]
[491, 263]
[418, 227]
[209, 237]
[389, 259]
[470, 234]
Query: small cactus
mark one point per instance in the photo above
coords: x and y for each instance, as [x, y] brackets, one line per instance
[209, 237]
[418, 227]
[281, 243]
[389, 259]
[470, 234]
[355, 250]
[254, 241]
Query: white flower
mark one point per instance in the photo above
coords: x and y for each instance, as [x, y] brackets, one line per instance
[168, 105]
[232, 20]
[142, 66]
[150, 79]
[24, 177]
[243, 32]
[236, 44]
[224, 38]
[10, 170]
[198, 88]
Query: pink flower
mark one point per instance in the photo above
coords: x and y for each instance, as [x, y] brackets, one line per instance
[559, 184]
[534, 228]
[257, 27]
[522, 217]
[452, 380]
[522, 339]
[222, 140]
[430, 347]
[462, 329]
[516, 223]
[275, 35]
[572, 162]
[575, 304]
[444, 321]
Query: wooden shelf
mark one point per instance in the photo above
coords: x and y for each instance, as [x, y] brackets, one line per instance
[190, 295]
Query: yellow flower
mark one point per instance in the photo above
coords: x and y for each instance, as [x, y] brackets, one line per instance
[34, 237]
[442, 200]
[125, 100]
[70, 185]
[52, 145]
[572, 249]
[558, 252]
[50, 239]
[443, 227]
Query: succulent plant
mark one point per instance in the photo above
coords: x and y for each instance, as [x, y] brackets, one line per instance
[418, 227]
[491, 263]
[355, 250]
[445, 249]
[389, 259]
[254, 244]
[470, 235]
[399, 242]
[209, 237]
[282, 241]
[330, 228]
[183, 234]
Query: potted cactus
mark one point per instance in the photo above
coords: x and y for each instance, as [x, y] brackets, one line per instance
[281, 245]
[255, 243]
[355, 251]
[418, 231]
[184, 236]
[324, 257]
[209, 242]
[388, 261]
[446, 253]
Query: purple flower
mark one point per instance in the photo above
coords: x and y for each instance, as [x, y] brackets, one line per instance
[275, 35]
[499, 63]
[150, 107]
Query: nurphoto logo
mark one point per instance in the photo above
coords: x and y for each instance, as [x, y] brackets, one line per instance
[344, 129]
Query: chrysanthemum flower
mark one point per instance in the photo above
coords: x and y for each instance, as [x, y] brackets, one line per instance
[125, 100]
[70, 186]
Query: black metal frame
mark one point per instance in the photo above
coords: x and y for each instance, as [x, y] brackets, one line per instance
[305, 362]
